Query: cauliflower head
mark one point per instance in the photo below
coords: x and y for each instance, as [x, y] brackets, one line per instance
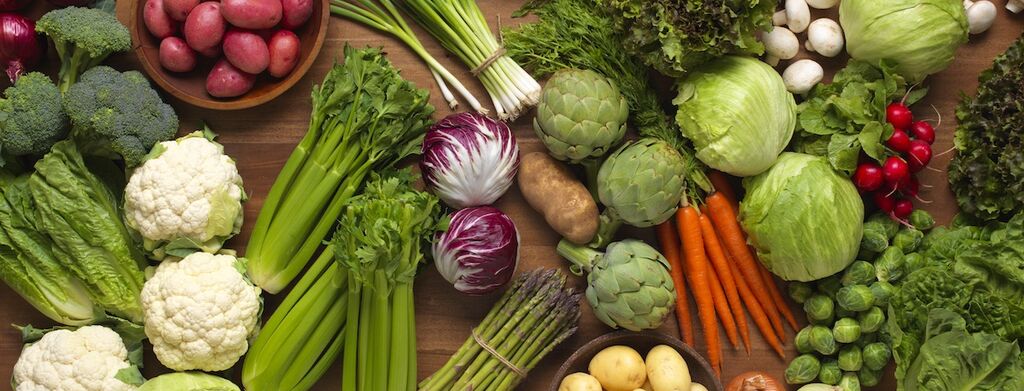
[186, 197]
[87, 359]
[200, 312]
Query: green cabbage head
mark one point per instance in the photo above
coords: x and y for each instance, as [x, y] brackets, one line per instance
[738, 114]
[804, 219]
[919, 36]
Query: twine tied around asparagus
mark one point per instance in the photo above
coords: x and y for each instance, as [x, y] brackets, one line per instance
[494, 352]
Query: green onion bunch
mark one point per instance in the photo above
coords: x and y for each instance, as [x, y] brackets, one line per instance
[535, 314]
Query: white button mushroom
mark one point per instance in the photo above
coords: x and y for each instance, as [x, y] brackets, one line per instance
[801, 76]
[980, 15]
[779, 18]
[1015, 6]
[798, 16]
[822, 4]
[780, 44]
[825, 37]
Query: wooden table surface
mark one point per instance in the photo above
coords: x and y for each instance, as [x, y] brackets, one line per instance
[260, 139]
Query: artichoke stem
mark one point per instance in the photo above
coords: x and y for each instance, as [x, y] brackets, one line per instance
[582, 257]
[606, 230]
[590, 168]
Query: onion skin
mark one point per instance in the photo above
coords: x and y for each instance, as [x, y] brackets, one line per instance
[20, 47]
[754, 381]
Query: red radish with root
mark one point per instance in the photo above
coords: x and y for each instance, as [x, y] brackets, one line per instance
[895, 169]
[898, 115]
[868, 176]
[899, 141]
[923, 131]
[902, 209]
[884, 201]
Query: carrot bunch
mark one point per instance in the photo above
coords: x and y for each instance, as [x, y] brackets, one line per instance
[708, 252]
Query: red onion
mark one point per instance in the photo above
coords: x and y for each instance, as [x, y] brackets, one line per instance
[20, 47]
[13, 5]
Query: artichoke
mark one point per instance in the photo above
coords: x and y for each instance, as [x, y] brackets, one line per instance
[641, 184]
[581, 116]
[628, 286]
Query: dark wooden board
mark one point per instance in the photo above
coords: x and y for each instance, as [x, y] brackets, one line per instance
[261, 138]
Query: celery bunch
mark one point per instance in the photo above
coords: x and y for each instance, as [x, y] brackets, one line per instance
[380, 241]
[365, 118]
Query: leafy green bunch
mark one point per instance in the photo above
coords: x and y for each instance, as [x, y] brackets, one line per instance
[840, 119]
[987, 173]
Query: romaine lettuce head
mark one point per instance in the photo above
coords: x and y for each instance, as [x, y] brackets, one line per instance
[919, 36]
[738, 114]
[803, 218]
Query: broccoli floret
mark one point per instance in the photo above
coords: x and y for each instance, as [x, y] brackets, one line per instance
[84, 37]
[115, 114]
[31, 116]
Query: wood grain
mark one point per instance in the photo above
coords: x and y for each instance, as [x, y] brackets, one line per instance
[261, 139]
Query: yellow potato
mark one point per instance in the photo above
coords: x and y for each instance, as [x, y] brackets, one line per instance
[579, 381]
[667, 370]
[619, 368]
[697, 387]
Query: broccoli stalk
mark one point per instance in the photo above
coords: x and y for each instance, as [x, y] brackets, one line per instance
[118, 115]
[83, 37]
[31, 117]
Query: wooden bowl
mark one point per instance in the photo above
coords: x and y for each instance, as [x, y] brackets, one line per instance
[191, 86]
[642, 341]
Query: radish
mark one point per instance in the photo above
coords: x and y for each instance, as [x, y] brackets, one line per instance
[899, 141]
[910, 186]
[902, 208]
[923, 131]
[895, 169]
[898, 115]
[920, 153]
[868, 176]
[884, 201]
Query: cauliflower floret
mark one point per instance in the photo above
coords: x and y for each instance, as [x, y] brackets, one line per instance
[187, 195]
[86, 359]
[200, 312]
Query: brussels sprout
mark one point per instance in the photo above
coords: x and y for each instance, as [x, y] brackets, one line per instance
[908, 240]
[866, 339]
[859, 273]
[913, 261]
[799, 291]
[921, 220]
[830, 285]
[850, 382]
[844, 313]
[866, 254]
[889, 266]
[846, 330]
[889, 227]
[874, 239]
[850, 358]
[882, 291]
[803, 369]
[855, 297]
[871, 320]
[830, 372]
[803, 340]
[876, 356]
[823, 341]
[869, 377]
[819, 308]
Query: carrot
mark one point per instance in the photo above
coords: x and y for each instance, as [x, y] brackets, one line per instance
[757, 313]
[670, 248]
[735, 244]
[780, 302]
[728, 281]
[721, 184]
[722, 309]
[696, 264]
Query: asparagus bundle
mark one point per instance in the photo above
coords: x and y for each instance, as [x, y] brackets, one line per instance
[536, 314]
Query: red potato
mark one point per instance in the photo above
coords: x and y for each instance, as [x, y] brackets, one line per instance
[252, 14]
[176, 56]
[157, 21]
[284, 53]
[179, 9]
[213, 52]
[205, 27]
[246, 50]
[295, 13]
[226, 81]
